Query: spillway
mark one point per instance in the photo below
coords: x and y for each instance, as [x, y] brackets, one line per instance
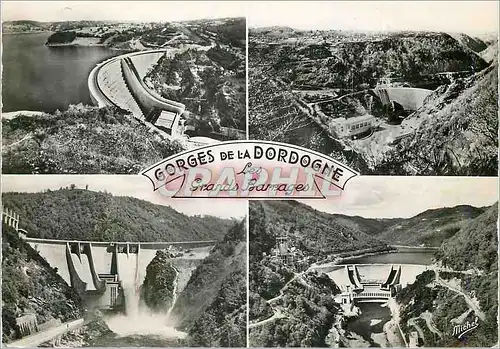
[102, 259]
[107, 274]
[82, 267]
[375, 273]
[107, 79]
[410, 98]
[390, 279]
[127, 264]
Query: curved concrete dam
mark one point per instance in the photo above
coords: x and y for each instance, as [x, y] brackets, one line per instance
[118, 81]
[103, 273]
[410, 98]
[376, 273]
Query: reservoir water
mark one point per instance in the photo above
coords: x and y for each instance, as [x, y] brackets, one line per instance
[423, 257]
[37, 77]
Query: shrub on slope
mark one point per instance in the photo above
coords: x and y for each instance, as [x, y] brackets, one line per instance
[83, 140]
[30, 285]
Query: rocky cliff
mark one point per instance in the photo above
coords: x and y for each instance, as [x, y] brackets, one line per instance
[158, 288]
[212, 306]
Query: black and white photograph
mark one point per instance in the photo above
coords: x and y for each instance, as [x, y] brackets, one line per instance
[395, 262]
[93, 87]
[388, 88]
[102, 261]
[249, 174]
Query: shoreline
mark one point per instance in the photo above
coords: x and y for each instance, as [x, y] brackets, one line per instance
[28, 32]
[340, 260]
[367, 254]
[401, 248]
[71, 44]
[13, 114]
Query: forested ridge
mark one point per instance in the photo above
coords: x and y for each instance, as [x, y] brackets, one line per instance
[344, 59]
[468, 240]
[88, 215]
[307, 301]
[473, 247]
[326, 233]
[212, 306]
[314, 232]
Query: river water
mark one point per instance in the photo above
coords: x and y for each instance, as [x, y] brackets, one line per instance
[139, 324]
[37, 77]
[137, 341]
[367, 329]
[408, 256]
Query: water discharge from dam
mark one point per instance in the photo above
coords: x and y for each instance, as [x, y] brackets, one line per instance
[128, 271]
[109, 276]
[174, 292]
[138, 318]
[143, 323]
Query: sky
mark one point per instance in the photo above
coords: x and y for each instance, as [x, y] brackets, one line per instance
[144, 11]
[404, 197]
[450, 16]
[125, 185]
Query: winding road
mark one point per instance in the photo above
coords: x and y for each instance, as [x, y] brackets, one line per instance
[473, 304]
[38, 338]
[277, 312]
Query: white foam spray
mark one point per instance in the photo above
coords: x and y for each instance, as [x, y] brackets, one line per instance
[139, 320]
